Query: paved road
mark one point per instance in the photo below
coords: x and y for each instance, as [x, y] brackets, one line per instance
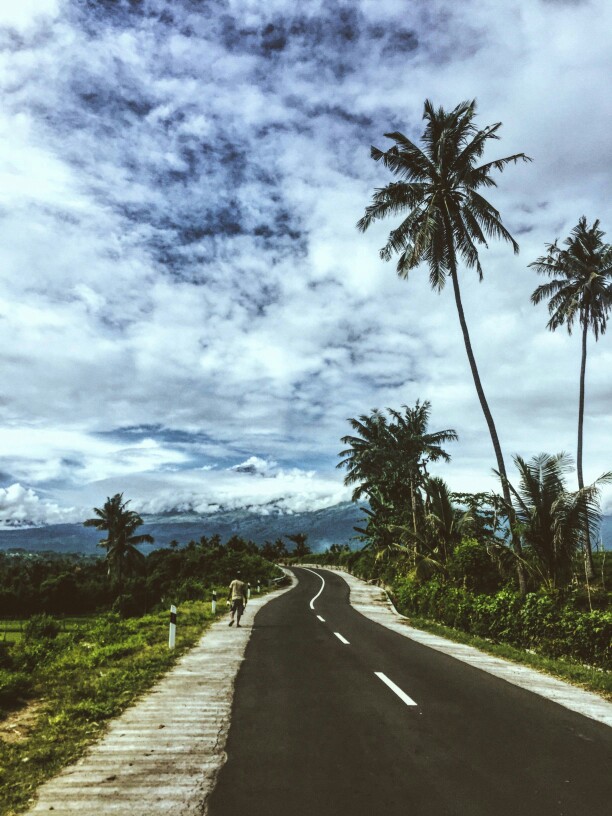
[315, 730]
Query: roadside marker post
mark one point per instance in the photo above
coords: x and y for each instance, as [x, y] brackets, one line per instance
[214, 602]
[258, 588]
[172, 635]
[248, 592]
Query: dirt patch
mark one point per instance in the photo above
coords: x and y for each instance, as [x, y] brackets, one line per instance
[18, 725]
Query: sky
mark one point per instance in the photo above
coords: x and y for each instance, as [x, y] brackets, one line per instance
[188, 314]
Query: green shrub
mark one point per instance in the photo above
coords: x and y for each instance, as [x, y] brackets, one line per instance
[6, 659]
[541, 621]
[14, 686]
[41, 627]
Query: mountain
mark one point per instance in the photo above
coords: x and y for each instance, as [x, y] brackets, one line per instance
[333, 525]
[324, 528]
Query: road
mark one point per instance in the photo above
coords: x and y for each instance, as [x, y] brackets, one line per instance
[335, 714]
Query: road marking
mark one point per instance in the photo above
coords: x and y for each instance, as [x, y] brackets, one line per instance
[341, 639]
[321, 619]
[322, 586]
[401, 694]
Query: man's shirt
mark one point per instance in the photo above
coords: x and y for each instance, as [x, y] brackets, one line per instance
[237, 590]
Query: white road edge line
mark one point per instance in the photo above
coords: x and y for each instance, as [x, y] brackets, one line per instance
[321, 619]
[342, 639]
[322, 585]
[401, 694]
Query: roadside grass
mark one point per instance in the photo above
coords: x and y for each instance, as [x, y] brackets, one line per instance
[78, 680]
[589, 678]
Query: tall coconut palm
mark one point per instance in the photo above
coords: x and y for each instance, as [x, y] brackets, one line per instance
[580, 290]
[552, 518]
[121, 542]
[446, 217]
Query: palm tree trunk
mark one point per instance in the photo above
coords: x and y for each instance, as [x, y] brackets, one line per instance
[586, 542]
[501, 467]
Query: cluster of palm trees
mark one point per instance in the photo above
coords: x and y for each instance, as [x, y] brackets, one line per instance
[410, 512]
[445, 220]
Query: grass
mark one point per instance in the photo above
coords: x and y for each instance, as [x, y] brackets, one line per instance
[589, 678]
[11, 629]
[90, 672]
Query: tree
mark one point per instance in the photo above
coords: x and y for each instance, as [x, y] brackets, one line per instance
[447, 217]
[387, 461]
[444, 525]
[301, 548]
[552, 519]
[121, 542]
[580, 289]
[389, 457]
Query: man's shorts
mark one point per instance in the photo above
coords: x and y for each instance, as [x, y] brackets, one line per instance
[238, 606]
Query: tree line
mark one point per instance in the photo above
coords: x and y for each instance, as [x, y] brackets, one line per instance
[126, 580]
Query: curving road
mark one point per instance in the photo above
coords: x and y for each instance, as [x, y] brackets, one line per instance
[335, 714]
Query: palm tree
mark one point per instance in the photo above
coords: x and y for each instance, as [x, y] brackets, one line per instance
[553, 520]
[444, 526]
[387, 462]
[387, 456]
[301, 548]
[581, 288]
[447, 218]
[120, 543]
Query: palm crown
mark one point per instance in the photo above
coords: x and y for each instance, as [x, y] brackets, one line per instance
[582, 279]
[439, 188]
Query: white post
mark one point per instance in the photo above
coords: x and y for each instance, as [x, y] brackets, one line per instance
[258, 588]
[172, 635]
[214, 602]
[248, 592]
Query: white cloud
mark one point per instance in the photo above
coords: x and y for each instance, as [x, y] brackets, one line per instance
[22, 507]
[178, 247]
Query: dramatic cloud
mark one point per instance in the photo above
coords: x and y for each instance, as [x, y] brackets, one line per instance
[187, 312]
[21, 507]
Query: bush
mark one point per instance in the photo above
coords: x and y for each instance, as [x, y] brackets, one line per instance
[6, 660]
[41, 627]
[14, 686]
[471, 565]
[540, 621]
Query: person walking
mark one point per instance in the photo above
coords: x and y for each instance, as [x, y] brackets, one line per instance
[237, 598]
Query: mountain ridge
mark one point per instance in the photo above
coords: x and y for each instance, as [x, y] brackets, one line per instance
[330, 525]
[324, 527]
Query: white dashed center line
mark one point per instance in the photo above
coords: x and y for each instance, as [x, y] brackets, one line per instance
[401, 694]
[321, 619]
[341, 639]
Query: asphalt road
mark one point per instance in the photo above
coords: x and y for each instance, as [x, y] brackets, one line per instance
[317, 728]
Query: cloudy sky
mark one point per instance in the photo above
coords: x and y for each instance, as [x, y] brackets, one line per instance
[187, 312]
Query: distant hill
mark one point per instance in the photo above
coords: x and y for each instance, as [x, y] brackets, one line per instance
[324, 528]
[333, 525]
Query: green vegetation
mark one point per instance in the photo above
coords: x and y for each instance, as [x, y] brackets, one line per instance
[447, 557]
[62, 679]
[75, 585]
[63, 686]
